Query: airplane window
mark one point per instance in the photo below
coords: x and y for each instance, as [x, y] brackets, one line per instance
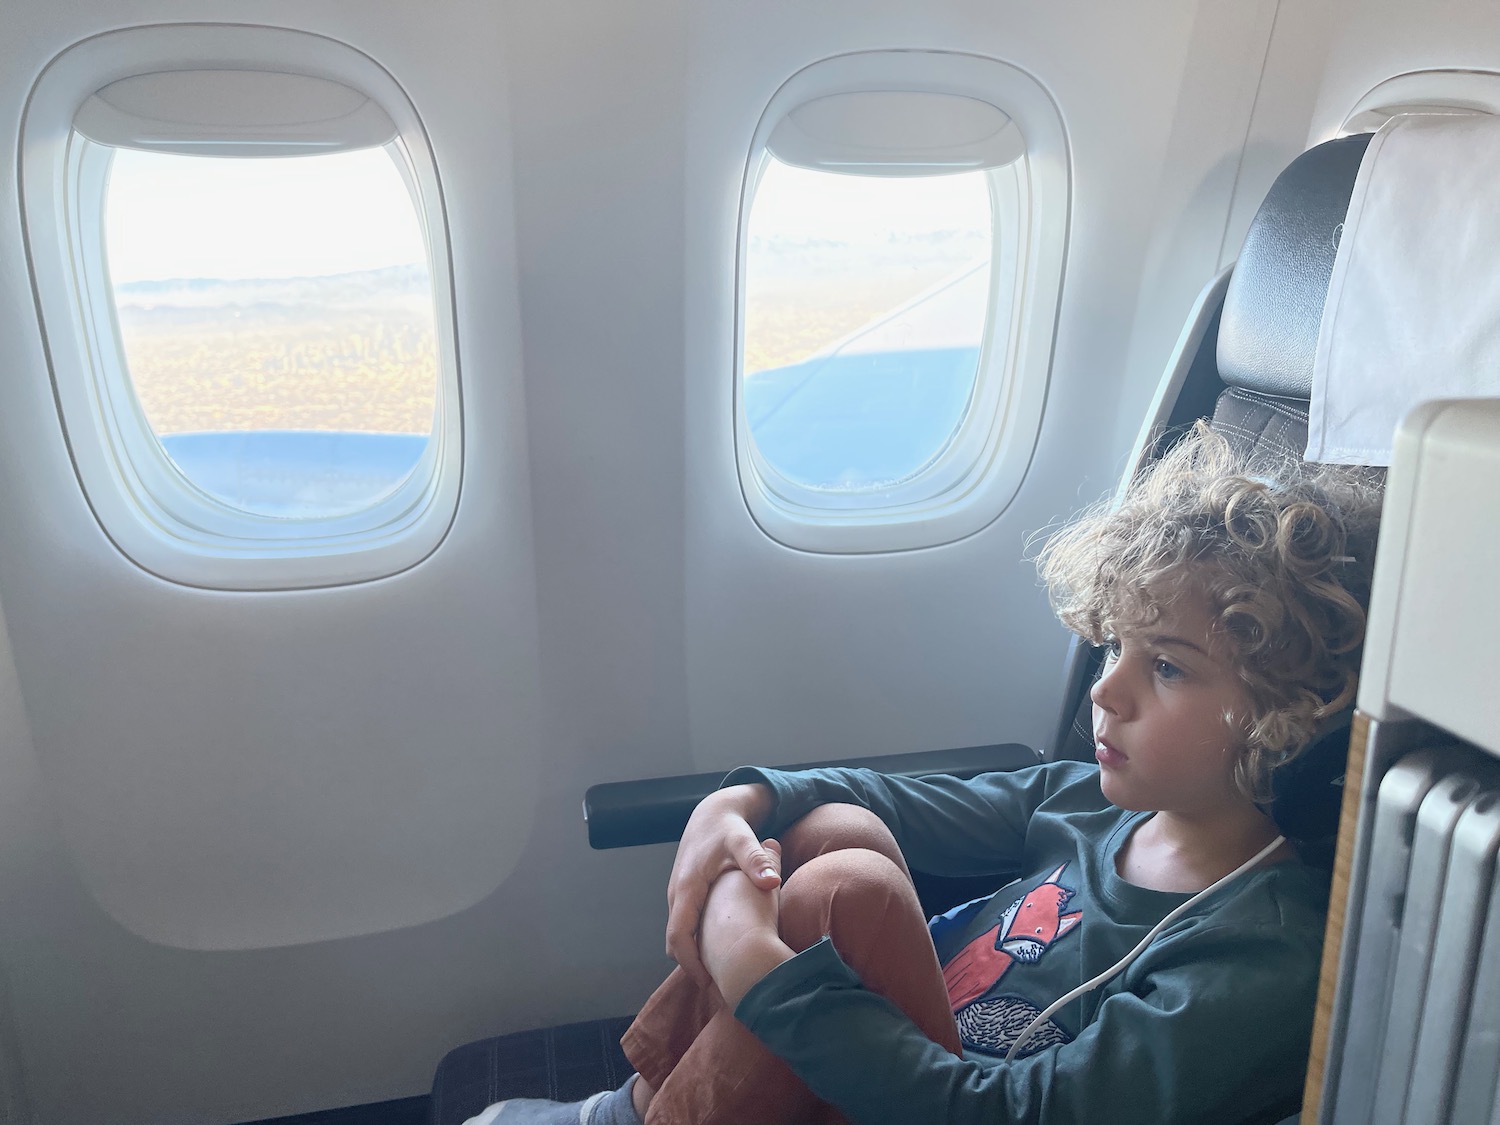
[285, 359]
[244, 282]
[901, 234]
[866, 303]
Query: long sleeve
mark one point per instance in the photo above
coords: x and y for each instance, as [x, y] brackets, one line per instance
[1211, 1023]
[1214, 1028]
[945, 826]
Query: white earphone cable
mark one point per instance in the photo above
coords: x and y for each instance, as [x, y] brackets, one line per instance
[1089, 986]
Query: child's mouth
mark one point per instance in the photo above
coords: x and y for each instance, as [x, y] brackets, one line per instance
[1107, 755]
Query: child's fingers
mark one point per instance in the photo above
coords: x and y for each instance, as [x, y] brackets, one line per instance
[682, 931]
[774, 846]
[762, 862]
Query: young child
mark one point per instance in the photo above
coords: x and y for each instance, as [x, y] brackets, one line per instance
[1157, 961]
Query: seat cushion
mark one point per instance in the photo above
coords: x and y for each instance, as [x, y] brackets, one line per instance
[1255, 423]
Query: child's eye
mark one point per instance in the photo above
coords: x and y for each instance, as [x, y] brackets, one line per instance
[1167, 670]
[1111, 646]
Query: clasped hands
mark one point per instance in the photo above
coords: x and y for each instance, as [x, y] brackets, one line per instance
[723, 896]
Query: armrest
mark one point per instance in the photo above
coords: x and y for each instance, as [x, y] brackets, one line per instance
[622, 814]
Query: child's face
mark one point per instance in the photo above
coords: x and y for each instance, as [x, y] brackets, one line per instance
[1160, 729]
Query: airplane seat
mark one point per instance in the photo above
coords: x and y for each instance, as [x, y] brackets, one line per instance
[1273, 305]
[1246, 363]
[1245, 360]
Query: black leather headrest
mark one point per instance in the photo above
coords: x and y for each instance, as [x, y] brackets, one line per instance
[1308, 791]
[1269, 331]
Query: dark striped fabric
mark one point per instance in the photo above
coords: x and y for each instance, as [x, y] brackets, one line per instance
[562, 1063]
[403, 1111]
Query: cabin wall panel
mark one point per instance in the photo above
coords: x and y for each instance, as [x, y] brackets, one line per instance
[1377, 39]
[1288, 87]
[368, 725]
[169, 771]
[1193, 195]
[598, 138]
[793, 655]
[606, 607]
[24, 822]
[1324, 57]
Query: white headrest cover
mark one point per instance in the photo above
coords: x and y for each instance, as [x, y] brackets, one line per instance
[1413, 310]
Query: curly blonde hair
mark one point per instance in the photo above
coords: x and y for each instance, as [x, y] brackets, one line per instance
[1282, 551]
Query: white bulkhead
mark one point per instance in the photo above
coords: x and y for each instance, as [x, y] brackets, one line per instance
[275, 836]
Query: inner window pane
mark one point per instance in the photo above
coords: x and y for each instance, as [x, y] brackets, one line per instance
[866, 302]
[277, 321]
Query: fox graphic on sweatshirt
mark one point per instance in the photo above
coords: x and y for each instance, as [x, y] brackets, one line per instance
[1025, 930]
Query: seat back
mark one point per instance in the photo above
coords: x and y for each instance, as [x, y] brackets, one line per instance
[1245, 361]
[1273, 306]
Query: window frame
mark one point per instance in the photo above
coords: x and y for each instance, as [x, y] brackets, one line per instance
[970, 482]
[1438, 91]
[146, 506]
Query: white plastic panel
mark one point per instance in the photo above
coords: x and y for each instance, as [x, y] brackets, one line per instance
[1373, 45]
[246, 770]
[896, 132]
[955, 644]
[863, 113]
[631, 621]
[1433, 610]
[1427, 92]
[144, 504]
[213, 112]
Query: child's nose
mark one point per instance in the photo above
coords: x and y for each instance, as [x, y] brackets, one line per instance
[1107, 692]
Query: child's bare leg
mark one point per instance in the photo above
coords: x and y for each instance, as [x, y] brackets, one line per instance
[832, 828]
[706, 1068]
[871, 912]
[641, 1094]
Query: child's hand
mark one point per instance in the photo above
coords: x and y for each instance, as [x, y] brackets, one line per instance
[719, 837]
[739, 938]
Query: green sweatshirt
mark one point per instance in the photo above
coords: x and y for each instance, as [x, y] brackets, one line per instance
[1211, 1023]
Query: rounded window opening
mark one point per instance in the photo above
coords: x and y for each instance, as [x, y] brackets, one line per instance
[901, 239]
[240, 254]
[276, 322]
[866, 304]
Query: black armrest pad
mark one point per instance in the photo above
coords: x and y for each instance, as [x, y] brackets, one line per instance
[622, 814]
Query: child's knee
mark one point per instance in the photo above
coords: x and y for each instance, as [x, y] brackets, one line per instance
[831, 828]
[853, 888]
